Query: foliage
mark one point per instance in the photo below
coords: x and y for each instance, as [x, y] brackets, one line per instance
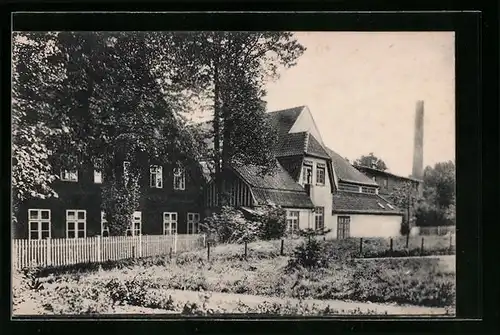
[229, 225]
[273, 223]
[33, 78]
[439, 196]
[312, 253]
[231, 69]
[371, 161]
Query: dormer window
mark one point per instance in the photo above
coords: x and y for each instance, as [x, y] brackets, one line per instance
[307, 173]
[156, 176]
[179, 178]
[320, 174]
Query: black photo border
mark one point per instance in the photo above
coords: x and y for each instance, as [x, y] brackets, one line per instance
[476, 33]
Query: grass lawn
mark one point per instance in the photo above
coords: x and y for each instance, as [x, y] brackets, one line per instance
[225, 283]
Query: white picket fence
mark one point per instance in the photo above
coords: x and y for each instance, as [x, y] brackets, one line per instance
[63, 251]
[437, 230]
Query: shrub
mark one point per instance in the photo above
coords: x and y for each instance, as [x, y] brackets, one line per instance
[273, 223]
[228, 225]
[309, 254]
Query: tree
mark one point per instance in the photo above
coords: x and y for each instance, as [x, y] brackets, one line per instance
[118, 95]
[371, 161]
[438, 204]
[34, 79]
[234, 68]
[405, 196]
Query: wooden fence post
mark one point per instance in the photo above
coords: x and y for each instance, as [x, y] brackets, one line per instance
[408, 239]
[170, 253]
[390, 245]
[422, 247]
[175, 243]
[48, 260]
[282, 250]
[99, 257]
[361, 246]
[208, 250]
[204, 240]
[246, 249]
[133, 251]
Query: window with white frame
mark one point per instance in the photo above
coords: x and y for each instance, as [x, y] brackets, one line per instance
[76, 223]
[179, 178]
[69, 175]
[169, 223]
[319, 218]
[292, 221]
[104, 225]
[135, 227]
[343, 227]
[307, 173]
[193, 219]
[98, 172]
[320, 174]
[38, 224]
[156, 176]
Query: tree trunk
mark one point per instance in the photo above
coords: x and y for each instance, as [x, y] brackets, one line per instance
[216, 121]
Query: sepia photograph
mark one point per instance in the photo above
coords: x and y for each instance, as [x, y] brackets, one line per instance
[210, 173]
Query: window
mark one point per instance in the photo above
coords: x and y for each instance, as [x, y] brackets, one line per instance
[98, 172]
[343, 227]
[386, 182]
[76, 223]
[307, 174]
[371, 190]
[126, 170]
[319, 218]
[97, 177]
[320, 174]
[292, 221]
[192, 223]
[169, 223]
[38, 224]
[136, 225]
[348, 188]
[104, 225]
[69, 175]
[179, 179]
[156, 176]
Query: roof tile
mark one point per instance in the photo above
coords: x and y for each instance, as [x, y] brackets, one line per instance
[352, 202]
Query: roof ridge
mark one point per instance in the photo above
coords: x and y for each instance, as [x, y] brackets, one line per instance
[285, 109]
[306, 141]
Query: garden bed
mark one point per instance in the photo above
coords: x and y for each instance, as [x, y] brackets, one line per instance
[418, 282]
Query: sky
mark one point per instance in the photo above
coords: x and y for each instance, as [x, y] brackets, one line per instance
[362, 89]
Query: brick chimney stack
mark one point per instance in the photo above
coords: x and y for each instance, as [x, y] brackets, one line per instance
[418, 148]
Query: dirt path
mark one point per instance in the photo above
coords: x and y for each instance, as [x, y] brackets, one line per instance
[230, 301]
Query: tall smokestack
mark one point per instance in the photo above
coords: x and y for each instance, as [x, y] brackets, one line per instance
[418, 148]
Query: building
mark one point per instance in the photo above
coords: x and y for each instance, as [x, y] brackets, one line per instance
[171, 203]
[387, 181]
[317, 187]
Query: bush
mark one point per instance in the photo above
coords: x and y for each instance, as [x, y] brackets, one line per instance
[228, 225]
[273, 223]
[309, 254]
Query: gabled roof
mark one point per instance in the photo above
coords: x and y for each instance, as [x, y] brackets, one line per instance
[346, 172]
[313, 147]
[276, 188]
[367, 168]
[291, 145]
[362, 203]
[279, 179]
[283, 120]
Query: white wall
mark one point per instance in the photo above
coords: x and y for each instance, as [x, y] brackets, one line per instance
[366, 225]
[321, 196]
[305, 122]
